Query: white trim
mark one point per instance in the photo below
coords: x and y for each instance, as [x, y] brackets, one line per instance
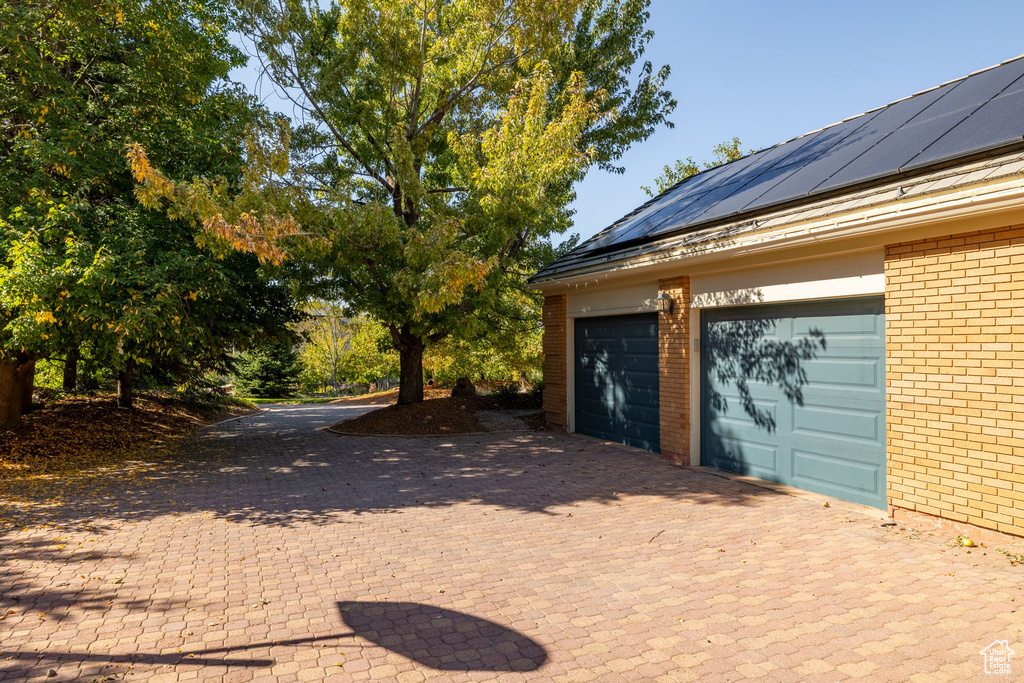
[695, 381]
[863, 285]
[587, 302]
[625, 310]
[853, 274]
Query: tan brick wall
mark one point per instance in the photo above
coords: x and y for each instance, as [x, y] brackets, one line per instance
[674, 370]
[554, 318]
[955, 369]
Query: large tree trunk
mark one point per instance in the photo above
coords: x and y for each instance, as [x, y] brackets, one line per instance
[10, 394]
[28, 386]
[71, 369]
[410, 357]
[124, 386]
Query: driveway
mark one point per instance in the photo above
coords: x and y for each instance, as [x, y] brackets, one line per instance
[278, 551]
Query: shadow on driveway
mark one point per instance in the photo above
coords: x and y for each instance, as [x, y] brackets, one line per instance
[280, 467]
[442, 639]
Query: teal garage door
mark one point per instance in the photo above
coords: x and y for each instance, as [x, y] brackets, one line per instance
[795, 394]
[617, 379]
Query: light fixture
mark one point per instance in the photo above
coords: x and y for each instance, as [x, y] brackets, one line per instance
[664, 302]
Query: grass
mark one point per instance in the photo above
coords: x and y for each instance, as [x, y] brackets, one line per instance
[224, 401]
[263, 401]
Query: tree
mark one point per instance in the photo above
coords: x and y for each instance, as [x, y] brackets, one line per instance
[325, 338]
[681, 170]
[81, 262]
[436, 151]
[269, 370]
[369, 355]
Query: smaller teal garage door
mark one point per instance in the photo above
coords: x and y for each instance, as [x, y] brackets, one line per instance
[796, 394]
[617, 379]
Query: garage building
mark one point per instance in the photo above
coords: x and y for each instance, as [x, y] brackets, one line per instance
[841, 313]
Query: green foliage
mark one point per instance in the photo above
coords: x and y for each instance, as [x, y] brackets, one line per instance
[681, 170]
[502, 358]
[50, 374]
[291, 401]
[269, 370]
[82, 263]
[507, 391]
[218, 401]
[369, 355]
[325, 336]
[438, 151]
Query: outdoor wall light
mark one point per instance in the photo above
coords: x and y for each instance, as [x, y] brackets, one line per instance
[664, 302]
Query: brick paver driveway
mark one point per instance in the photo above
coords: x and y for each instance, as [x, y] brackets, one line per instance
[283, 552]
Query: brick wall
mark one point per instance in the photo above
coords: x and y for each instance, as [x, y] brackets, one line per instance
[555, 360]
[674, 370]
[955, 369]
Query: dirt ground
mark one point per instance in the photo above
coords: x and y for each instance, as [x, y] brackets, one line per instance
[439, 414]
[387, 397]
[73, 433]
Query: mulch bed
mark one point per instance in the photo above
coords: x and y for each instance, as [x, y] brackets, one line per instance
[437, 415]
[78, 433]
[387, 397]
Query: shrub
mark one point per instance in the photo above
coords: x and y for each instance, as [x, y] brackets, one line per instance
[268, 371]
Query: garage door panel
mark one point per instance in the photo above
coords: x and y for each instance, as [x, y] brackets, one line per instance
[846, 479]
[833, 422]
[617, 379]
[744, 457]
[853, 324]
[844, 371]
[641, 406]
[816, 375]
[637, 433]
[639, 365]
[732, 417]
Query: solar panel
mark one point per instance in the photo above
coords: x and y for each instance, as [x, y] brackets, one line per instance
[998, 121]
[806, 157]
[707, 188]
[845, 151]
[977, 113]
[915, 136]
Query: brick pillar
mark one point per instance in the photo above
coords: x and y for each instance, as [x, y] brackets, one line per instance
[674, 370]
[555, 383]
[955, 379]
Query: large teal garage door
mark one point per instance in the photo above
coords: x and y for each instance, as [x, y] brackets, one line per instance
[795, 394]
[617, 379]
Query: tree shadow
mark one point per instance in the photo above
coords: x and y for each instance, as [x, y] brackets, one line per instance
[739, 352]
[283, 469]
[442, 639]
[88, 593]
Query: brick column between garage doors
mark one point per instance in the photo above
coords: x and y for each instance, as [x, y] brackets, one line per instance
[555, 382]
[674, 370]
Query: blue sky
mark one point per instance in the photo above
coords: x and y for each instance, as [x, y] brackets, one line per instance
[768, 71]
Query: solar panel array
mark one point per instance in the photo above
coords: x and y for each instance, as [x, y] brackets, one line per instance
[982, 112]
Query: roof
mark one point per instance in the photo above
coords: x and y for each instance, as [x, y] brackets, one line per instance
[958, 122]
